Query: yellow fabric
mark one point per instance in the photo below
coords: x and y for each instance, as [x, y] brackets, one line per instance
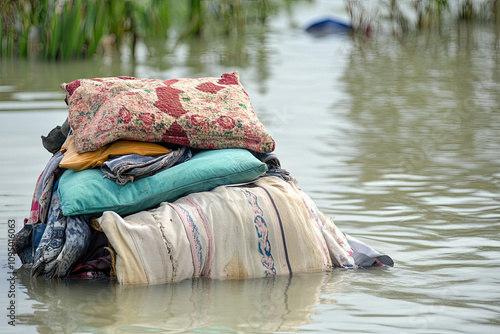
[81, 161]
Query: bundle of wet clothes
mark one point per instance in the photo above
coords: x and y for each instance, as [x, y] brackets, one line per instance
[155, 181]
[56, 245]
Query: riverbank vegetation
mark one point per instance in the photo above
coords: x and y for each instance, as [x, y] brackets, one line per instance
[77, 29]
[414, 16]
[64, 29]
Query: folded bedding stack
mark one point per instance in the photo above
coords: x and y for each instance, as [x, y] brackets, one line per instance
[156, 181]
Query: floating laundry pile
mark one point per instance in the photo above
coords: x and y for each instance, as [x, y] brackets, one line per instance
[157, 181]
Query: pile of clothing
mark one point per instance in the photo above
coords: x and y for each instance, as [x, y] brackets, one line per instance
[155, 181]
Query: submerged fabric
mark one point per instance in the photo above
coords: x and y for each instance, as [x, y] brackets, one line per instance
[52, 241]
[64, 240]
[87, 192]
[268, 228]
[80, 161]
[365, 256]
[34, 226]
[76, 240]
[43, 191]
[131, 167]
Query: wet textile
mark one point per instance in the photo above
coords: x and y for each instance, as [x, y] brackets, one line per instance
[76, 241]
[365, 256]
[273, 166]
[21, 242]
[202, 113]
[52, 240]
[131, 167]
[97, 247]
[38, 230]
[34, 226]
[87, 192]
[96, 262]
[268, 228]
[56, 137]
[93, 269]
[271, 160]
[63, 242]
[80, 161]
[43, 190]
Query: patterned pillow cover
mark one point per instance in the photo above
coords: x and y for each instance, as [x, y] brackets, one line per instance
[204, 113]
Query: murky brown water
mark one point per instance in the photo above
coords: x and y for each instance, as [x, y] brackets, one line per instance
[398, 141]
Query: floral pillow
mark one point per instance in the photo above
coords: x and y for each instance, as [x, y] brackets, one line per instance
[204, 113]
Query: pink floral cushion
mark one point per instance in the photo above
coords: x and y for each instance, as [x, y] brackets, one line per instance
[205, 113]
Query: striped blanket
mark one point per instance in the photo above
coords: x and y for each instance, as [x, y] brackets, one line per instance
[269, 227]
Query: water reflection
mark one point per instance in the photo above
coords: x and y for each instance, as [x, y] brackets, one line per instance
[398, 141]
[426, 121]
[205, 55]
[254, 305]
[423, 174]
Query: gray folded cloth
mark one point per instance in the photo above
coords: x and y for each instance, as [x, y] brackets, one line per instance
[364, 256]
[131, 167]
[56, 137]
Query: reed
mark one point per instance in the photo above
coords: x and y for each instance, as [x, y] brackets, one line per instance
[403, 17]
[68, 29]
[78, 29]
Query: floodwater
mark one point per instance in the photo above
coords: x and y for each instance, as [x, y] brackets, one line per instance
[398, 141]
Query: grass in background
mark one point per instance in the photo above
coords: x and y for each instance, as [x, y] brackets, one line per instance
[403, 17]
[78, 29]
[69, 29]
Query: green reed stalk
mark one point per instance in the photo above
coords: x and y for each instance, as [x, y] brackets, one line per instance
[195, 17]
[2, 54]
[65, 29]
[431, 14]
[69, 29]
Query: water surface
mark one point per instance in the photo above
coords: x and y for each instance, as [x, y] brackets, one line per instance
[398, 141]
